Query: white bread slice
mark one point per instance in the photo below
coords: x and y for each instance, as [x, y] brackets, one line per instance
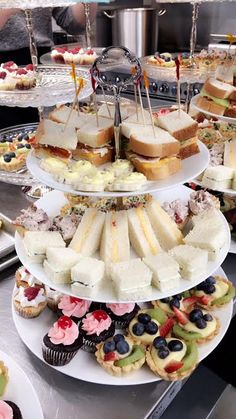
[230, 153]
[115, 245]
[37, 242]
[192, 261]
[218, 88]
[155, 168]
[165, 270]
[50, 133]
[225, 73]
[62, 258]
[179, 124]
[208, 237]
[218, 176]
[87, 276]
[88, 234]
[96, 136]
[166, 230]
[209, 105]
[61, 114]
[103, 111]
[211, 216]
[161, 145]
[56, 275]
[137, 118]
[142, 236]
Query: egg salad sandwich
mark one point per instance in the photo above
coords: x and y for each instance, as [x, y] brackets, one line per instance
[165, 271]
[58, 264]
[218, 97]
[141, 233]
[87, 237]
[230, 154]
[36, 243]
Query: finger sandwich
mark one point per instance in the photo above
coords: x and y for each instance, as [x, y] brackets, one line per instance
[58, 264]
[95, 135]
[86, 276]
[230, 154]
[37, 242]
[165, 271]
[61, 114]
[192, 261]
[218, 177]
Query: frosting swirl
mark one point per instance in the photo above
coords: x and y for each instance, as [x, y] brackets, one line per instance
[64, 331]
[6, 411]
[72, 306]
[93, 324]
[25, 298]
[121, 309]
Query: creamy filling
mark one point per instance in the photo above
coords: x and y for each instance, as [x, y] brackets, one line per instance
[221, 290]
[145, 338]
[173, 356]
[211, 327]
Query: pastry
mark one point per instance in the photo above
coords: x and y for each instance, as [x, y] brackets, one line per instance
[9, 410]
[11, 161]
[25, 279]
[73, 307]
[3, 378]
[119, 356]
[96, 327]
[145, 326]
[167, 304]
[214, 292]
[62, 342]
[121, 313]
[29, 302]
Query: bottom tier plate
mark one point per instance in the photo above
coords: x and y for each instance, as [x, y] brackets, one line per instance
[85, 367]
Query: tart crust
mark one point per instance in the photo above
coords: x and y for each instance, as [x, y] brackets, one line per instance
[12, 166]
[29, 312]
[210, 307]
[211, 336]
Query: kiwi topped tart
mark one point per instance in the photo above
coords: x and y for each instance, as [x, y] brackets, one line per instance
[167, 304]
[214, 292]
[145, 326]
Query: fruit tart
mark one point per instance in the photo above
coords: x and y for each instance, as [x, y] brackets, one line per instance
[198, 326]
[214, 292]
[145, 326]
[11, 161]
[172, 359]
[120, 356]
[167, 304]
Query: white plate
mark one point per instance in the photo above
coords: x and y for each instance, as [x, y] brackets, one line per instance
[232, 246]
[221, 118]
[223, 190]
[85, 367]
[53, 201]
[191, 167]
[20, 390]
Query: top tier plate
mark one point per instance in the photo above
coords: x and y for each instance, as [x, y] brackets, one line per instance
[32, 4]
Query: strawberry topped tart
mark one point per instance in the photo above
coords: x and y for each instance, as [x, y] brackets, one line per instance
[76, 55]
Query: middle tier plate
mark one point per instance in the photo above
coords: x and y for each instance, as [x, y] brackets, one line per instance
[191, 168]
[52, 202]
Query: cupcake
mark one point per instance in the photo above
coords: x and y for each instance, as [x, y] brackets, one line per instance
[122, 314]
[62, 342]
[73, 307]
[9, 410]
[119, 355]
[29, 302]
[25, 279]
[53, 297]
[95, 328]
[3, 378]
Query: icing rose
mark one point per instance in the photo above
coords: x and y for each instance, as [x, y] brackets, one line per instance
[72, 306]
[96, 322]
[64, 331]
[6, 411]
[24, 296]
[121, 309]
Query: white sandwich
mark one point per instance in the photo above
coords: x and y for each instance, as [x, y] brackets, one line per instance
[63, 112]
[218, 177]
[192, 261]
[37, 242]
[136, 122]
[108, 111]
[166, 230]
[87, 237]
[95, 135]
[142, 236]
[58, 264]
[165, 271]
[115, 245]
[179, 124]
[230, 154]
[54, 134]
[132, 280]
[86, 277]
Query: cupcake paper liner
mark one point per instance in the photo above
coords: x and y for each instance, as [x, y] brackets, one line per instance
[29, 312]
[57, 358]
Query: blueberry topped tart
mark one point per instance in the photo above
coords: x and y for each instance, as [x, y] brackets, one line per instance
[120, 356]
[167, 304]
[172, 359]
[215, 291]
[145, 326]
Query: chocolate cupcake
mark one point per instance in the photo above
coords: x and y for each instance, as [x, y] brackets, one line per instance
[96, 327]
[62, 342]
[122, 313]
[9, 409]
[73, 307]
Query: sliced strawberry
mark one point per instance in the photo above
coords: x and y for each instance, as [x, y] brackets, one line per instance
[8, 64]
[180, 315]
[29, 67]
[111, 356]
[21, 71]
[173, 366]
[166, 327]
[205, 299]
[89, 52]
[178, 219]
[189, 301]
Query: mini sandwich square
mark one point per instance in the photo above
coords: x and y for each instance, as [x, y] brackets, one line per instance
[192, 261]
[165, 270]
[88, 271]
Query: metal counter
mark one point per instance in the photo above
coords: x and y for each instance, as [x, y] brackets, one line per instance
[63, 397]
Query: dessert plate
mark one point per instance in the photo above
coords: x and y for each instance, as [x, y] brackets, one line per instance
[84, 365]
[20, 390]
[191, 168]
[51, 204]
[223, 190]
[46, 59]
[214, 115]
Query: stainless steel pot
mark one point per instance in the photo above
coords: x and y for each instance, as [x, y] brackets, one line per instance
[136, 29]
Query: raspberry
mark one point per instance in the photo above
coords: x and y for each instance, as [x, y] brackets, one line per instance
[21, 71]
[31, 293]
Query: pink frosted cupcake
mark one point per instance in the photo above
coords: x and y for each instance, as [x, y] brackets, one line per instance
[96, 327]
[73, 307]
[122, 314]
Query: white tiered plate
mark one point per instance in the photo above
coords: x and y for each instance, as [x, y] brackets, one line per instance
[191, 167]
[223, 190]
[53, 201]
[85, 367]
[20, 390]
[214, 115]
[55, 87]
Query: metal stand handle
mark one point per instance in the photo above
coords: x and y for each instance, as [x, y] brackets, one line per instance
[33, 47]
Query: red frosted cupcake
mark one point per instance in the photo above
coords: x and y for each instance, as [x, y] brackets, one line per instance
[62, 342]
[96, 327]
[122, 313]
[73, 307]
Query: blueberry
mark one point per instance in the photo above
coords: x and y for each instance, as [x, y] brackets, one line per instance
[138, 329]
[210, 289]
[151, 328]
[7, 158]
[118, 337]
[20, 146]
[3, 140]
[200, 287]
[12, 154]
[10, 140]
[159, 342]
[195, 315]
[109, 346]
[175, 303]
[122, 347]
[178, 296]
[211, 280]
[25, 137]
[144, 318]
[163, 353]
[165, 300]
[208, 317]
[175, 345]
[201, 323]
[167, 59]
[28, 146]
